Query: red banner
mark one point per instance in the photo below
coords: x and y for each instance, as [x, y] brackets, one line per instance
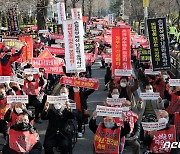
[85, 19]
[57, 51]
[107, 140]
[80, 82]
[121, 56]
[54, 70]
[35, 28]
[47, 62]
[56, 36]
[177, 121]
[45, 54]
[89, 57]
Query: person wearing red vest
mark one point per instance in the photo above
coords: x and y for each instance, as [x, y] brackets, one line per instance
[16, 87]
[115, 133]
[37, 47]
[22, 138]
[156, 140]
[8, 59]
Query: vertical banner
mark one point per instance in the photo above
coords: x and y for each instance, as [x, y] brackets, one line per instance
[76, 13]
[61, 12]
[79, 45]
[159, 44]
[12, 20]
[110, 19]
[121, 56]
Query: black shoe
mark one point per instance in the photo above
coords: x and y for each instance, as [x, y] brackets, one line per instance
[38, 120]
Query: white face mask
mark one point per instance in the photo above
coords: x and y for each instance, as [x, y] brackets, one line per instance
[163, 120]
[149, 91]
[109, 124]
[18, 110]
[122, 84]
[57, 106]
[30, 78]
[115, 96]
[75, 90]
[125, 108]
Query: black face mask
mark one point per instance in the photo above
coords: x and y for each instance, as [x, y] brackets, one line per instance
[2, 96]
[14, 88]
[22, 126]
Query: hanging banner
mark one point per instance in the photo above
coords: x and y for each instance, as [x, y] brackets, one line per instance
[174, 82]
[12, 20]
[121, 56]
[91, 83]
[109, 111]
[149, 96]
[17, 99]
[54, 70]
[110, 19]
[57, 99]
[159, 44]
[61, 12]
[45, 54]
[47, 62]
[55, 51]
[76, 13]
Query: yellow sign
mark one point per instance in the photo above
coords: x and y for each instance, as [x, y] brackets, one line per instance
[145, 3]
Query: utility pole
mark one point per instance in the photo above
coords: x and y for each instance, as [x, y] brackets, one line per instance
[145, 5]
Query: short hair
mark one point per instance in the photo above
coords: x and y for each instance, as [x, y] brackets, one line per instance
[124, 77]
[114, 88]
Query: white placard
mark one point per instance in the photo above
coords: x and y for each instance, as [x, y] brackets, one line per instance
[109, 111]
[110, 19]
[17, 99]
[174, 82]
[150, 126]
[43, 31]
[56, 99]
[120, 72]
[151, 72]
[72, 106]
[76, 13]
[108, 60]
[4, 79]
[58, 41]
[56, 45]
[149, 96]
[114, 102]
[31, 70]
[17, 80]
[61, 12]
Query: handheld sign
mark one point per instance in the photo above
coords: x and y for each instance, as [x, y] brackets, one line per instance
[31, 70]
[109, 111]
[121, 72]
[17, 80]
[17, 99]
[174, 82]
[150, 96]
[57, 99]
[150, 126]
[4, 79]
[115, 102]
[151, 72]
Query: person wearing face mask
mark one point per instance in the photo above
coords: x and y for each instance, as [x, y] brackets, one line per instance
[31, 88]
[22, 133]
[14, 111]
[126, 90]
[8, 59]
[37, 47]
[45, 39]
[108, 126]
[16, 88]
[154, 140]
[56, 134]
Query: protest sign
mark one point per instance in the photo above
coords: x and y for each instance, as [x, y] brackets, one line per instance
[31, 70]
[108, 60]
[14, 44]
[17, 99]
[151, 72]
[4, 79]
[174, 82]
[43, 31]
[115, 102]
[89, 57]
[54, 70]
[56, 36]
[56, 51]
[76, 13]
[109, 111]
[61, 12]
[150, 126]
[56, 99]
[149, 96]
[13, 20]
[120, 72]
[17, 80]
[91, 83]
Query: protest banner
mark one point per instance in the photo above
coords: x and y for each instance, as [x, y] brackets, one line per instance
[145, 55]
[108, 60]
[43, 31]
[31, 70]
[54, 70]
[89, 57]
[109, 111]
[17, 80]
[151, 72]
[158, 40]
[45, 54]
[76, 13]
[121, 72]
[17, 99]
[115, 102]
[57, 99]
[14, 44]
[56, 36]
[47, 62]
[55, 50]
[13, 20]
[4, 79]
[174, 82]
[91, 83]
[150, 126]
[110, 19]
[61, 12]
[149, 96]
[58, 29]
[121, 56]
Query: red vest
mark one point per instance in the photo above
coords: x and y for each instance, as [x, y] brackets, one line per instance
[177, 122]
[160, 138]
[3, 108]
[22, 141]
[174, 104]
[14, 116]
[107, 140]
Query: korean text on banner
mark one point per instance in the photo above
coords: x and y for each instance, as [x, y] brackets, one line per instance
[61, 12]
[159, 44]
[174, 82]
[54, 50]
[56, 99]
[17, 99]
[110, 19]
[4, 79]
[76, 13]
[121, 56]
[150, 126]
[150, 96]
[13, 20]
